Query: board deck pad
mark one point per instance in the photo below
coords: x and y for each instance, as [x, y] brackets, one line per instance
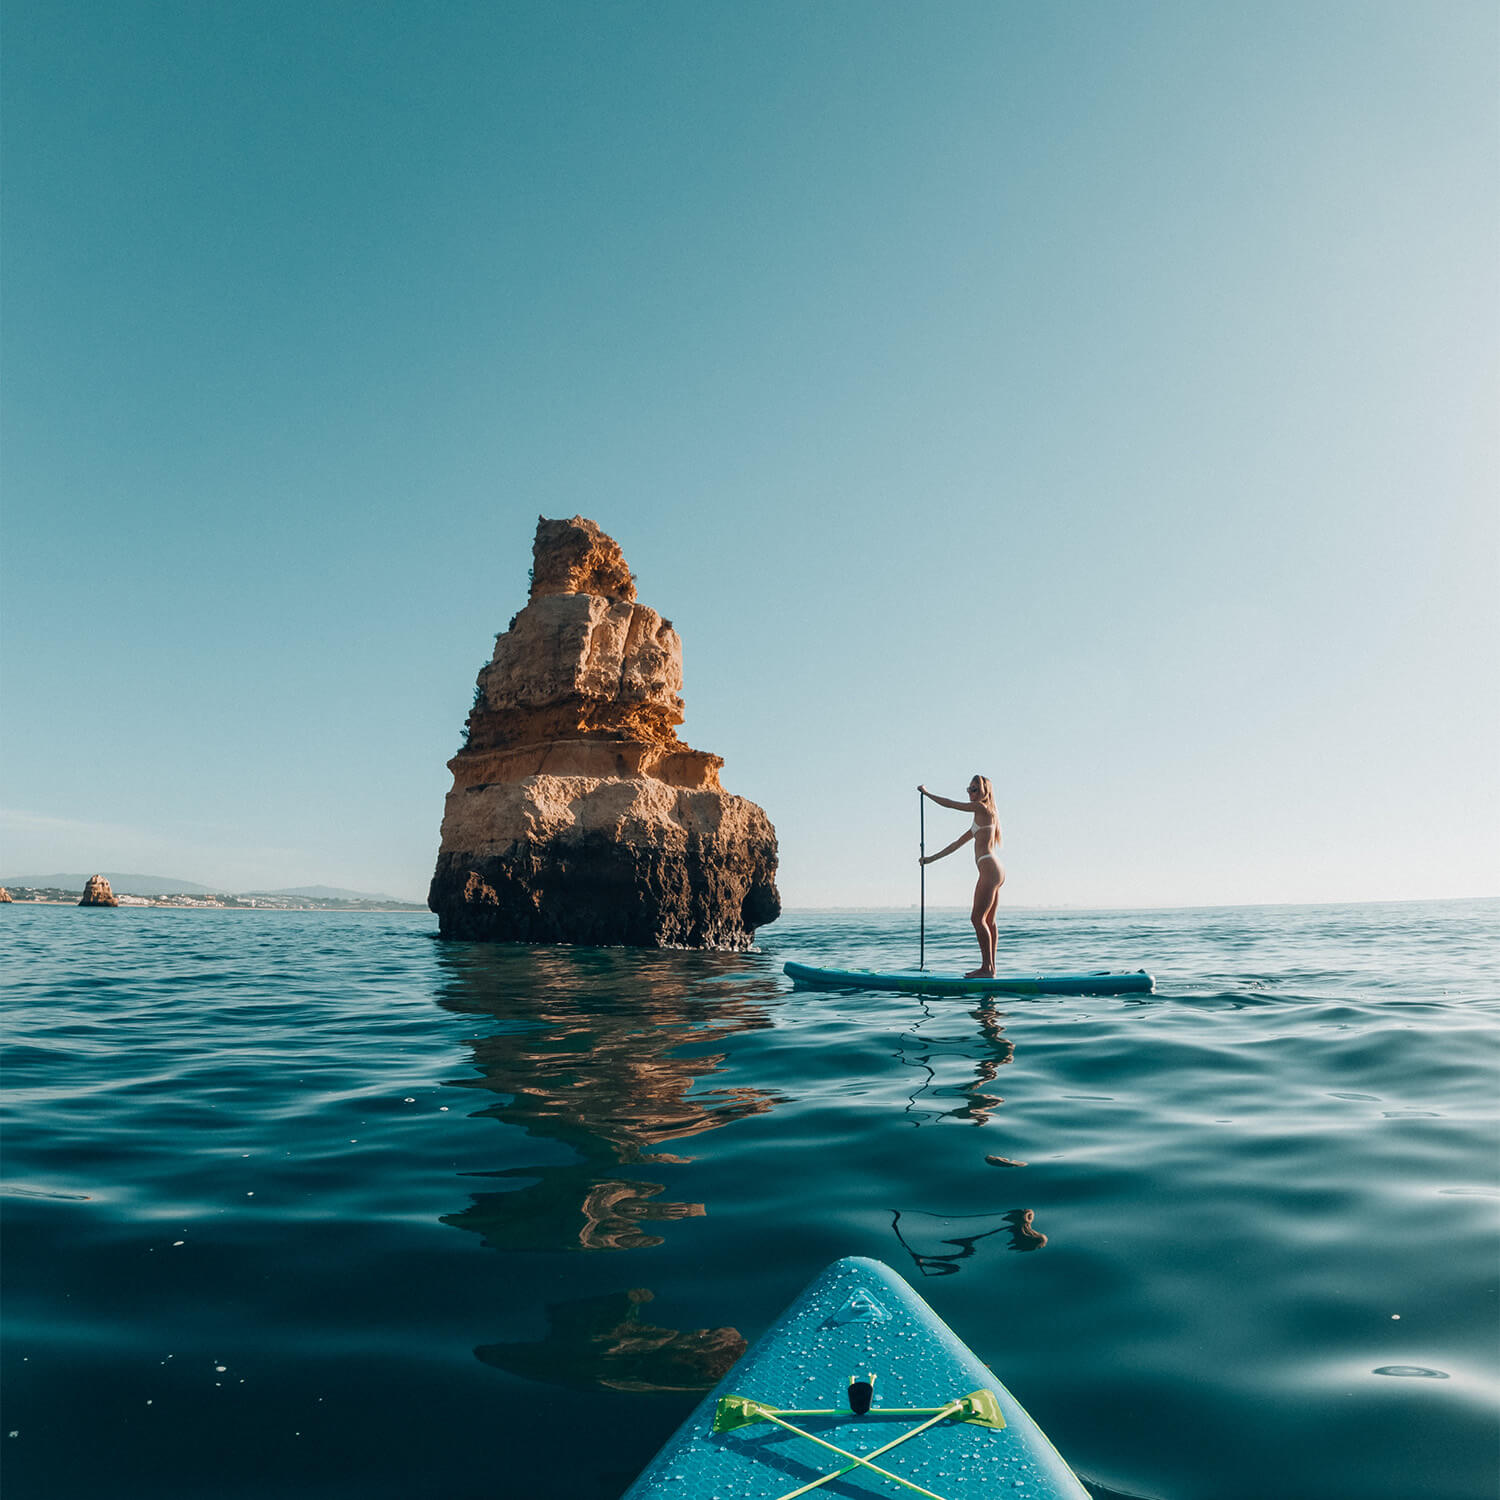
[920, 982]
[857, 1318]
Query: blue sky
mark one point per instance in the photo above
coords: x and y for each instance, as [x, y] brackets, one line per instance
[1101, 397]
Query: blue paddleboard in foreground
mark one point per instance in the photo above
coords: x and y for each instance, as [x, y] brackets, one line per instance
[916, 982]
[783, 1421]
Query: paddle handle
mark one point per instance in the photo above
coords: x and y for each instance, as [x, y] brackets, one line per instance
[922, 846]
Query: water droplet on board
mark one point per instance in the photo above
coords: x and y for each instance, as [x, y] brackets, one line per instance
[1414, 1370]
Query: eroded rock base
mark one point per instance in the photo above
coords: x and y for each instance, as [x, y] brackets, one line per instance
[600, 893]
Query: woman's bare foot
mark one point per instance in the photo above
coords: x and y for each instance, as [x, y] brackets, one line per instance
[980, 974]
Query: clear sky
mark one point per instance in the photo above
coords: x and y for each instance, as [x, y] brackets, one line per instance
[1099, 396]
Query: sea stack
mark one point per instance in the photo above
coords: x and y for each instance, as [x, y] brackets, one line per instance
[98, 893]
[577, 815]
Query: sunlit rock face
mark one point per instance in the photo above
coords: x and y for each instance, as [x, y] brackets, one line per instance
[577, 815]
[98, 893]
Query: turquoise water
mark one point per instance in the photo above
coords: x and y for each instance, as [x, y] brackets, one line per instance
[317, 1205]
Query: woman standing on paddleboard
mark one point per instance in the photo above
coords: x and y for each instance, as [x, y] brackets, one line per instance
[985, 831]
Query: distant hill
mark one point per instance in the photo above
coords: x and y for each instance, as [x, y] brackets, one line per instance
[121, 885]
[327, 893]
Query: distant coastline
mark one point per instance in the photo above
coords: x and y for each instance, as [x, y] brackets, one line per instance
[291, 901]
[22, 895]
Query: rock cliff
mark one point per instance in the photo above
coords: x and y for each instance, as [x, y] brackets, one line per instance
[577, 815]
[98, 893]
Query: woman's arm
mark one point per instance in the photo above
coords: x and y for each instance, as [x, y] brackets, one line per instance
[945, 802]
[957, 843]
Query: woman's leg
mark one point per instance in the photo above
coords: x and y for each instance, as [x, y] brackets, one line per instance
[986, 893]
[991, 928]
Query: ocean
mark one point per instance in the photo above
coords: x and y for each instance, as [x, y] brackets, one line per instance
[317, 1205]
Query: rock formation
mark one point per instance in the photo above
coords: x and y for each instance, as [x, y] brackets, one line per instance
[98, 893]
[577, 815]
[5, 895]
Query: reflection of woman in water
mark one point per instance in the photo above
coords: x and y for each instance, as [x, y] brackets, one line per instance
[985, 831]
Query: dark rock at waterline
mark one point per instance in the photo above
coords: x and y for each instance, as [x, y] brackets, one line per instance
[604, 892]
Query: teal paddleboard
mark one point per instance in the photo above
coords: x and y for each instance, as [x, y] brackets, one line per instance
[784, 1421]
[918, 982]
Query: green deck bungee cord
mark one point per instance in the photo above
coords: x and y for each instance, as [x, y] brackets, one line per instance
[979, 1407]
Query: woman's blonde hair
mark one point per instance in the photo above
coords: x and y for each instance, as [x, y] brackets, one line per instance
[986, 792]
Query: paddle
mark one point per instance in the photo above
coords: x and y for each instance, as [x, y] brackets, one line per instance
[922, 846]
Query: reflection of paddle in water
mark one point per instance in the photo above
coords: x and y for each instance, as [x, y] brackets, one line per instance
[932, 1264]
[979, 1104]
[911, 1110]
[1018, 1222]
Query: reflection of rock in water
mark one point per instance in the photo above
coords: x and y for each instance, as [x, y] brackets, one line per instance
[601, 1050]
[602, 1341]
[531, 1218]
[610, 1085]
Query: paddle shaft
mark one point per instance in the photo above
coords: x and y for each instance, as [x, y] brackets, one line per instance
[922, 846]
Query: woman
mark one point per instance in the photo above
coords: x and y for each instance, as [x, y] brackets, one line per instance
[985, 831]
